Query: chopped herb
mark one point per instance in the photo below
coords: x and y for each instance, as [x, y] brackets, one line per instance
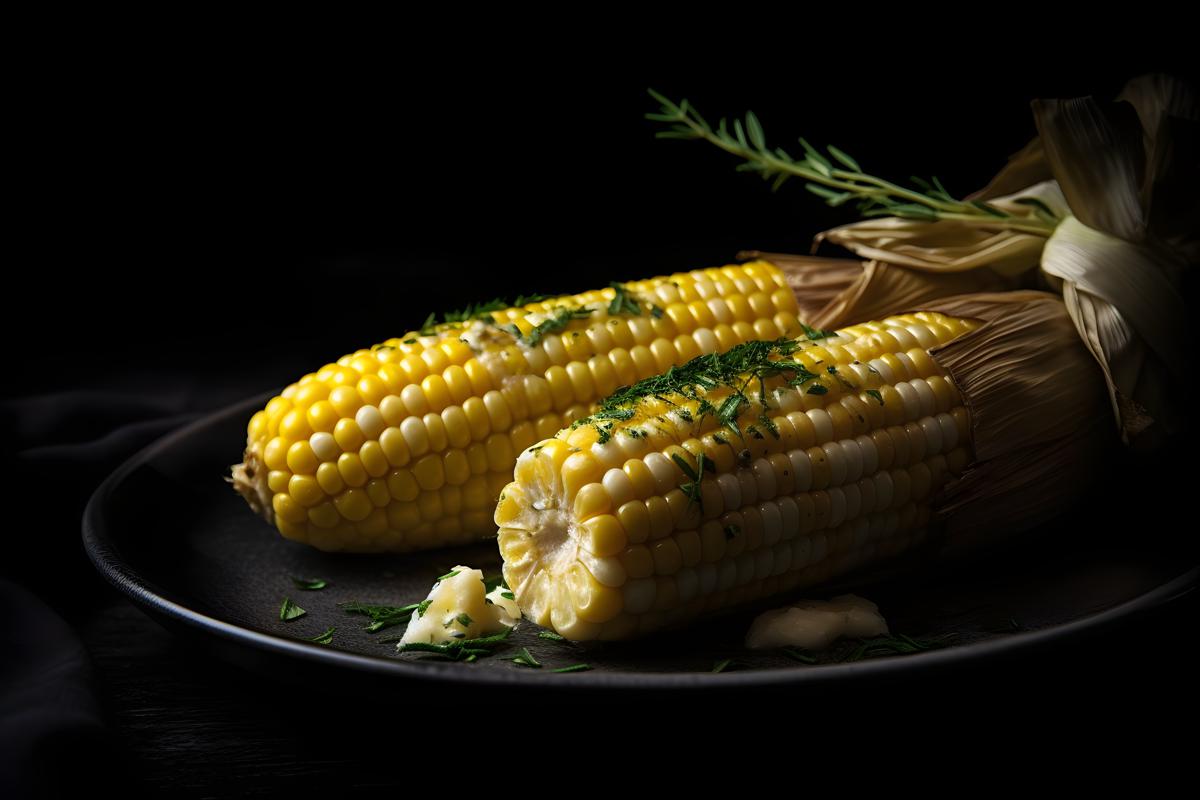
[615, 413]
[410, 341]
[290, 611]
[464, 620]
[458, 650]
[324, 638]
[309, 584]
[623, 302]
[633, 433]
[448, 575]
[429, 326]
[551, 635]
[656, 311]
[526, 659]
[719, 440]
[724, 664]
[685, 466]
[684, 414]
[508, 596]
[605, 433]
[818, 388]
[875, 393]
[815, 334]
[574, 668]
[422, 607]
[383, 616]
[732, 531]
[560, 319]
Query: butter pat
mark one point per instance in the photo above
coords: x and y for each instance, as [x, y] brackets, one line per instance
[459, 608]
[816, 624]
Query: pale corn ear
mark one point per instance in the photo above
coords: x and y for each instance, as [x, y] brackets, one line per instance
[406, 445]
[832, 459]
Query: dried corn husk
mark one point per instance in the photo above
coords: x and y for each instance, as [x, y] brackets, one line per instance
[1116, 174]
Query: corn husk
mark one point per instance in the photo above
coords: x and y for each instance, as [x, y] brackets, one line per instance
[834, 292]
[1120, 176]
[1039, 416]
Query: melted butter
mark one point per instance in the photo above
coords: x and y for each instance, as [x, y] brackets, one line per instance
[459, 608]
[816, 624]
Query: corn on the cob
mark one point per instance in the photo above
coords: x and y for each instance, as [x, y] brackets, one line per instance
[406, 445]
[773, 466]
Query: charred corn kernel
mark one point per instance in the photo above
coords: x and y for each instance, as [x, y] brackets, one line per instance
[693, 510]
[450, 394]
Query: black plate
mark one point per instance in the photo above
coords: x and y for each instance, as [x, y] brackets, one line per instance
[168, 531]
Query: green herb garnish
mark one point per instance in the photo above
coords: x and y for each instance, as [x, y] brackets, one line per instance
[526, 659]
[448, 575]
[458, 650]
[383, 616]
[551, 635]
[574, 668]
[309, 584]
[838, 178]
[429, 326]
[290, 611]
[875, 393]
[623, 302]
[816, 334]
[324, 638]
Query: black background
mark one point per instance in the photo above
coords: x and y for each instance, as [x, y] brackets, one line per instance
[210, 220]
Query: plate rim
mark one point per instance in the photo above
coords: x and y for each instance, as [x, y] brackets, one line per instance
[105, 556]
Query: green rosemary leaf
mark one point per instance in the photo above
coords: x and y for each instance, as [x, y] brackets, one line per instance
[754, 129]
[988, 208]
[551, 635]
[448, 575]
[428, 327]
[817, 388]
[843, 158]
[875, 393]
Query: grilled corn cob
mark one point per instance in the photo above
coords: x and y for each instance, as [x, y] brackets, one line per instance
[406, 445]
[773, 466]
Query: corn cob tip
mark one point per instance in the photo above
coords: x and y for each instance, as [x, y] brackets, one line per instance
[248, 480]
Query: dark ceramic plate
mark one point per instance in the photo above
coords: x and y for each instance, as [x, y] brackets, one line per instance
[169, 532]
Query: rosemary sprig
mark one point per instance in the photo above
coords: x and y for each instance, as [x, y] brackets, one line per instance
[843, 181]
